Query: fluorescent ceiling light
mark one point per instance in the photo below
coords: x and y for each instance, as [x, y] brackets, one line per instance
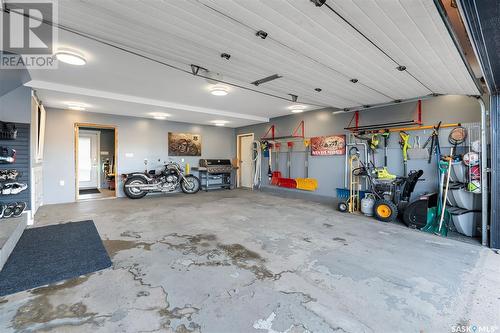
[159, 115]
[77, 106]
[219, 122]
[219, 90]
[71, 58]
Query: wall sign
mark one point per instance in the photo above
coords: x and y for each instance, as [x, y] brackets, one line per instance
[328, 145]
[184, 144]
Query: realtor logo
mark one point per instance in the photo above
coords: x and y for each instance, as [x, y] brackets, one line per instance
[27, 40]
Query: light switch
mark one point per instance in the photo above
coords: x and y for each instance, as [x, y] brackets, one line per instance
[129, 155]
[61, 183]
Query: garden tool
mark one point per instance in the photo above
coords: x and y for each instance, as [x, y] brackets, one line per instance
[386, 136]
[404, 143]
[289, 159]
[443, 204]
[269, 168]
[434, 143]
[437, 216]
[307, 145]
[373, 143]
[417, 153]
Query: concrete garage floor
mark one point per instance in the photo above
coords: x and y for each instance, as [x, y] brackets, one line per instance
[241, 261]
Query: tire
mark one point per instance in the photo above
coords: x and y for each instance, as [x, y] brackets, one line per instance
[133, 192]
[342, 206]
[191, 186]
[385, 210]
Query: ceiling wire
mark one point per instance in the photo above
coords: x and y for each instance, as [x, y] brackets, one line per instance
[291, 48]
[376, 46]
[124, 49]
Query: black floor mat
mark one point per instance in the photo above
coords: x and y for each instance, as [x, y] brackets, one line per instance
[51, 254]
[89, 191]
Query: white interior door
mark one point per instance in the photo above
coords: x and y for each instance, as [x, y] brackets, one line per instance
[88, 159]
[246, 163]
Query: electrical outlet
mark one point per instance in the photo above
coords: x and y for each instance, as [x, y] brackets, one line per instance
[182, 160]
[61, 183]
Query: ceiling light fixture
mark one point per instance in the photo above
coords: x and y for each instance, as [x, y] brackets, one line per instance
[318, 89]
[219, 122]
[354, 80]
[225, 56]
[219, 90]
[70, 57]
[76, 106]
[297, 108]
[159, 115]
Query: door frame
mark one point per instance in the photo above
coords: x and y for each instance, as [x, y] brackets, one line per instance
[97, 133]
[238, 156]
[115, 165]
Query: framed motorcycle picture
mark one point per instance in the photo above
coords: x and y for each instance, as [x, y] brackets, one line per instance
[328, 145]
[184, 144]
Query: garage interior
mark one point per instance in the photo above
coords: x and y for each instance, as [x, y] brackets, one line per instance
[251, 166]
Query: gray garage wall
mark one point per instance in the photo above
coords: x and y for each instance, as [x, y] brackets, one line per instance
[144, 138]
[329, 170]
[15, 105]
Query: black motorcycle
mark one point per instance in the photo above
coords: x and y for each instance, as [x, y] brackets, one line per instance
[138, 184]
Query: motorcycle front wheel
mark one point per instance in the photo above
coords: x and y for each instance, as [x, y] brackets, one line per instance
[190, 184]
[134, 192]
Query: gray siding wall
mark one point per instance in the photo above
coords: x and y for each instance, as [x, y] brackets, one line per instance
[144, 138]
[329, 170]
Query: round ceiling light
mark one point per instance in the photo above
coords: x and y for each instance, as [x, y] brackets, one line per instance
[219, 90]
[297, 108]
[71, 58]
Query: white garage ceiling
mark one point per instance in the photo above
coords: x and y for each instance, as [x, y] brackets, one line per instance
[310, 47]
